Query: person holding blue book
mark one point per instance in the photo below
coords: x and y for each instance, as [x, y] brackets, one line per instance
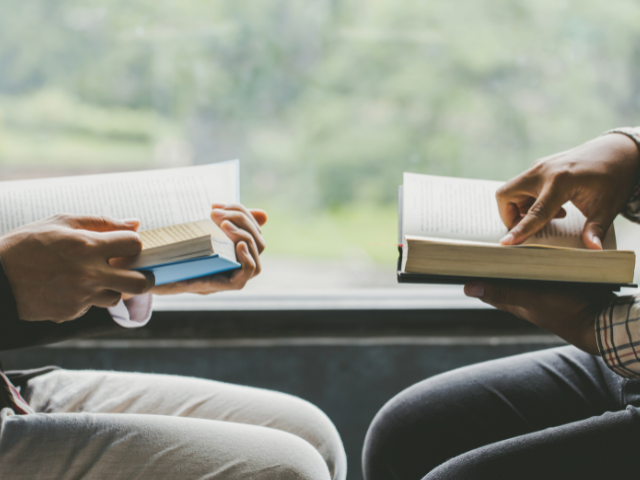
[56, 283]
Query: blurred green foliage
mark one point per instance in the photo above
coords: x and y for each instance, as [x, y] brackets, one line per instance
[326, 102]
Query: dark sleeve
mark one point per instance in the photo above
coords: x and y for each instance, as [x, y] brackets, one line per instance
[16, 333]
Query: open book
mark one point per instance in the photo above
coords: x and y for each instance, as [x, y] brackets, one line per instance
[450, 231]
[173, 206]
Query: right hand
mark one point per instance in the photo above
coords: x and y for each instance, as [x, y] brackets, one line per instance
[59, 267]
[598, 177]
[243, 227]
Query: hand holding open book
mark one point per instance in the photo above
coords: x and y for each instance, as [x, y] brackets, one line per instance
[451, 231]
[184, 241]
[555, 267]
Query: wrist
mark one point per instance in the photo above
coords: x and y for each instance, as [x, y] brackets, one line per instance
[626, 141]
[4, 246]
[6, 260]
[589, 341]
[628, 146]
[631, 134]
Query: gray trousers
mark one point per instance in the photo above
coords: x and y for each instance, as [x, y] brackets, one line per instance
[108, 425]
[557, 414]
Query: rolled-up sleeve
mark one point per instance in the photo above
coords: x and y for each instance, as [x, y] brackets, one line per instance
[618, 336]
[133, 313]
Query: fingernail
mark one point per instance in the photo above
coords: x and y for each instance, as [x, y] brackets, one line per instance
[218, 205]
[507, 239]
[151, 278]
[474, 290]
[217, 212]
[230, 226]
[131, 222]
[595, 239]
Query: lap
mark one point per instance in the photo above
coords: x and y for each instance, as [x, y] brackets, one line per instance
[69, 391]
[463, 410]
[110, 393]
[99, 446]
[605, 446]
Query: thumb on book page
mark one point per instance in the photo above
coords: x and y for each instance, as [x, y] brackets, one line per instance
[497, 294]
[595, 229]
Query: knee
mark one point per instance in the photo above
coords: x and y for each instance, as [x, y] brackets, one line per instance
[402, 440]
[480, 464]
[298, 460]
[314, 426]
[454, 469]
[382, 438]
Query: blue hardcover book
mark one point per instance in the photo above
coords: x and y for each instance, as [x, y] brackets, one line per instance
[188, 269]
[185, 251]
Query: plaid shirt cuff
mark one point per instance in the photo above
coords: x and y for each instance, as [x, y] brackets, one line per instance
[632, 210]
[618, 336]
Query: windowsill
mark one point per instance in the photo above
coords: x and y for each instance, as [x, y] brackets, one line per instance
[429, 297]
[426, 315]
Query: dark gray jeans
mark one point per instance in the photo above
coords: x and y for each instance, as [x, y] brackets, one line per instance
[553, 414]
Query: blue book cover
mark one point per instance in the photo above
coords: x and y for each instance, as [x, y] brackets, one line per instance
[188, 269]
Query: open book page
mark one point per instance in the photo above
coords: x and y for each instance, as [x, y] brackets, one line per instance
[465, 209]
[159, 237]
[157, 197]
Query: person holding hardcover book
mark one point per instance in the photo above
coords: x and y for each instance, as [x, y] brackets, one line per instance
[565, 413]
[95, 425]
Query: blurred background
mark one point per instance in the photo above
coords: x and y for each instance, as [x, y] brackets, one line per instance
[326, 103]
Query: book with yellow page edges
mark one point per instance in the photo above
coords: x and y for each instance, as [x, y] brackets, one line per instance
[185, 251]
[450, 231]
[170, 203]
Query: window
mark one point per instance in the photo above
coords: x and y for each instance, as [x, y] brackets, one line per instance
[326, 103]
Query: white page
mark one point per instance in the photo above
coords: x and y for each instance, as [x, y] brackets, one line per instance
[159, 237]
[465, 209]
[157, 197]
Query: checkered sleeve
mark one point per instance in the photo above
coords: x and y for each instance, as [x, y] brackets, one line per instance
[632, 210]
[618, 336]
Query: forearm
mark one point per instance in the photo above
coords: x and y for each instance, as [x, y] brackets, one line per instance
[16, 333]
[632, 209]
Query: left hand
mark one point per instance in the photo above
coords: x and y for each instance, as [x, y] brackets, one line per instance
[569, 312]
[242, 226]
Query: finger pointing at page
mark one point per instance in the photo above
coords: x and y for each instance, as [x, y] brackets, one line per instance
[544, 209]
[597, 177]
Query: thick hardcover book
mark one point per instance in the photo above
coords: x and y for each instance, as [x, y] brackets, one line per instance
[450, 229]
[184, 251]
